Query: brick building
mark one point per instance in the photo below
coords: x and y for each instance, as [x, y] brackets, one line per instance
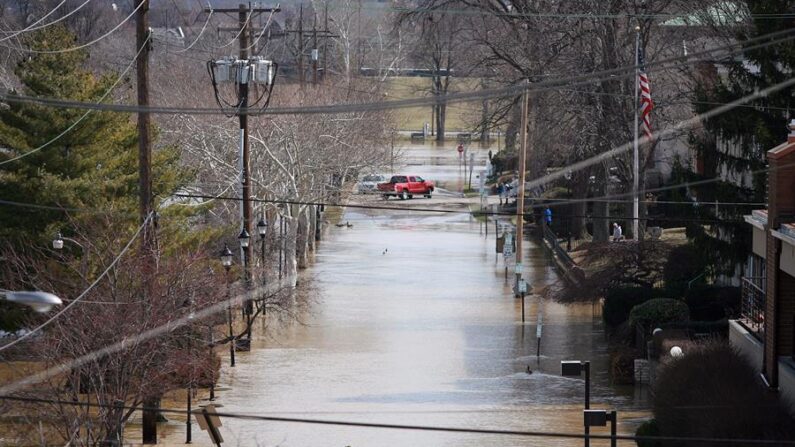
[765, 333]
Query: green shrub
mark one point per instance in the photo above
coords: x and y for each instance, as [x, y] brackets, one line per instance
[712, 392]
[619, 301]
[658, 311]
[710, 303]
[648, 428]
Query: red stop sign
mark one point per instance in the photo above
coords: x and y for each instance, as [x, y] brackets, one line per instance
[460, 148]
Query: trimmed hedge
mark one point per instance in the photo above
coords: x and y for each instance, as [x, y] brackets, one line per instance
[659, 311]
[619, 301]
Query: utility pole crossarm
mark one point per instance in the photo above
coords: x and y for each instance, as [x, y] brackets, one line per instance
[237, 10]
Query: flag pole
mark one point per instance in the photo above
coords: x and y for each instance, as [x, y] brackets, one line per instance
[635, 161]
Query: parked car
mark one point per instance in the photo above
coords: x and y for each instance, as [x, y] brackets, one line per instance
[406, 186]
[369, 183]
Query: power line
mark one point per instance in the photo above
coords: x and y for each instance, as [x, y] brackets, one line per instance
[88, 112]
[542, 86]
[562, 15]
[82, 295]
[663, 133]
[78, 47]
[33, 25]
[436, 210]
[137, 338]
[477, 431]
[183, 50]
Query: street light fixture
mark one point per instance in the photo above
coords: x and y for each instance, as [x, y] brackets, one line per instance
[244, 238]
[262, 228]
[57, 243]
[40, 301]
[569, 368]
[226, 257]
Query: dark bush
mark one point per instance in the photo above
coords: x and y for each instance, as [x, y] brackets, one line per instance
[710, 303]
[658, 311]
[619, 301]
[648, 428]
[712, 392]
[685, 264]
[12, 316]
[622, 366]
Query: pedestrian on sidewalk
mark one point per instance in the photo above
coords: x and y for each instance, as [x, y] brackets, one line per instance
[617, 232]
[500, 191]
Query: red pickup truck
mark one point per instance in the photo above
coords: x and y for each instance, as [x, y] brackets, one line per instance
[405, 187]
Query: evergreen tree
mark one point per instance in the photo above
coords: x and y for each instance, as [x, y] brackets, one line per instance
[94, 165]
[739, 139]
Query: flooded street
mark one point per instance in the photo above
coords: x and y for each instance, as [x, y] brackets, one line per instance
[413, 322]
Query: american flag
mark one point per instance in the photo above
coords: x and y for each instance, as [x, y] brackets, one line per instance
[646, 103]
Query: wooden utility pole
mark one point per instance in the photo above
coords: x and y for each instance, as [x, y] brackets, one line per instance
[148, 418]
[301, 46]
[246, 214]
[314, 51]
[520, 195]
[325, 42]
[245, 166]
[324, 34]
[144, 120]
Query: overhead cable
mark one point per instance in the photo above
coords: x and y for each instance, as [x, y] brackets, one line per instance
[79, 47]
[512, 90]
[38, 328]
[88, 112]
[475, 431]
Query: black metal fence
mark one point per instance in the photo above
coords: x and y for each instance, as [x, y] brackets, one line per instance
[555, 243]
[752, 314]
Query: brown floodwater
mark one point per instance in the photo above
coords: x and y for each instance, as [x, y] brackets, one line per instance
[412, 322]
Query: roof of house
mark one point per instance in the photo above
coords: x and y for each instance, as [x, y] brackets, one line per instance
[781, 151]
[788, 229]
[719, 13]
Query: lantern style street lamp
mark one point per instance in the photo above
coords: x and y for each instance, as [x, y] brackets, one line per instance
[262, 229]
[244, 238]
[226, 261]
[226, 257]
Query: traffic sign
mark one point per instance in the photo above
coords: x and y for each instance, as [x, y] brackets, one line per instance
[460, 148]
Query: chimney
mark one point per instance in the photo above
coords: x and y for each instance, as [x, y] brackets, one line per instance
[791, 136]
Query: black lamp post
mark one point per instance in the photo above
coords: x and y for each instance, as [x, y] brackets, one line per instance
[226, 261]
[599, 418]
[245, 240]
[262, 229]
[281, 242]
[570, 368]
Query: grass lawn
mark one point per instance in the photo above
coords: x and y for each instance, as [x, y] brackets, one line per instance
[461, 116]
